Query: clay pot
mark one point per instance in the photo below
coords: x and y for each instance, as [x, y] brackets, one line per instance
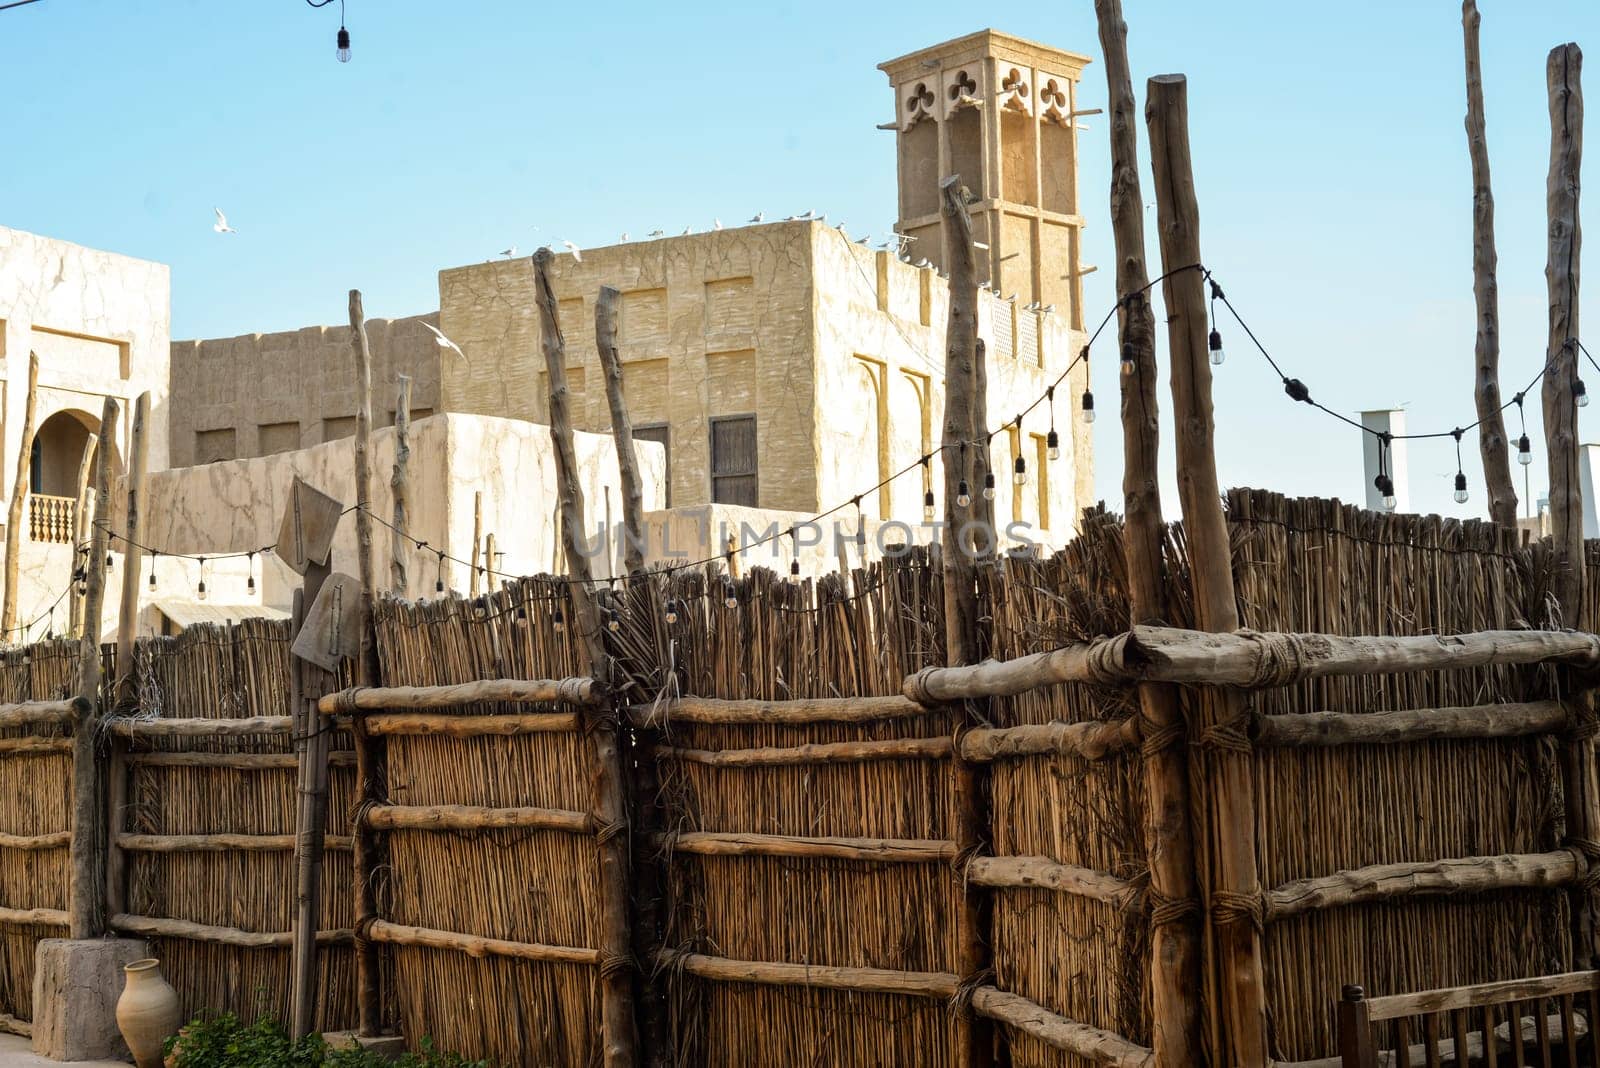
[147, 1011]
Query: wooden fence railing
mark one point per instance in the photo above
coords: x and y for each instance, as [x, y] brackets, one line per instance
[51, 519]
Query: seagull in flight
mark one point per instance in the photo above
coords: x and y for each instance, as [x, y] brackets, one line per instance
[577, 253]
[221, 225]
[444, 342]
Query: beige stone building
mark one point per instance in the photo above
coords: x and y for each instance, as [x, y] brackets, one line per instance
[99, 323]
[782, 366]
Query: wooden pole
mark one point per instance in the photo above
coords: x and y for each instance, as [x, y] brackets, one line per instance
[605, 336]
[1175, 955]
[308, 845]
[961, 338]
[370, 774]
[133, 529]
[19, 501]
[983, 464]
[475, 586]
[1235, 888]
[398, 542]
[1492, 445]
[80, 520]
[963, 352]
[488, 561]
[616, 963]
[89, 805]
[1563, 76]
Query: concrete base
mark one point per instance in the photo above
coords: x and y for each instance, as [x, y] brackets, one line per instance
[392, 1047]
[76, 984]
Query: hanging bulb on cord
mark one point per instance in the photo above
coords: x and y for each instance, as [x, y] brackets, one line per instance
[1524, 451]
[1019, 472]
[730, 596]
[963, 494]
[988, 485]
[1461, 487]
[1580, 393]
[927, 513]
[1214, 343]
[1088, 417]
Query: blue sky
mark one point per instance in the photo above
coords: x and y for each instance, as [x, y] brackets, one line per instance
[1329, 152]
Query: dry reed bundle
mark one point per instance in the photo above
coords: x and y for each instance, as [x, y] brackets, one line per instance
[518, 885]
[35, 798]
[1319, 566]
[232, 672]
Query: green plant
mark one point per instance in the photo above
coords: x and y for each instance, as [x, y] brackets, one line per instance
[227, 1042]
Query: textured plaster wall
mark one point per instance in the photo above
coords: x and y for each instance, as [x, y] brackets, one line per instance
[100, 324]
[290, 390]
[872, 335]
[712, 324]
[238, 505]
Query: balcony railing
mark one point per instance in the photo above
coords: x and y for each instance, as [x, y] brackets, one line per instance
[51, 518]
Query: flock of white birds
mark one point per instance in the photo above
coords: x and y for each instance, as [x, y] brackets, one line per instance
[897, 242]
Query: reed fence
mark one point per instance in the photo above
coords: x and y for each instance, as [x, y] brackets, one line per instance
[794, 756]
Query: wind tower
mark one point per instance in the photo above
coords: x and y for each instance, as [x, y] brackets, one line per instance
[1001, 112]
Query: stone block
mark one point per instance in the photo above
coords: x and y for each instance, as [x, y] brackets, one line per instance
[76, 983]
[390, 1047]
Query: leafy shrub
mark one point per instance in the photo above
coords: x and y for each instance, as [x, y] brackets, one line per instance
[226, 1042]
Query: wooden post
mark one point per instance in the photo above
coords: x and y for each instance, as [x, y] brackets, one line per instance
[369, 750]
[974, 1034]
[1356, 1048]
[1563, 75]
[1175, 973]
[1234, 899]
[89, 805]
[983, 464]
[133, 530]
[605, 338]
[80, 521]
[616, 963]
[399, 543]
[19, 501]
[475, 586]
[310, 823]
[1497, 484]
[961, 338]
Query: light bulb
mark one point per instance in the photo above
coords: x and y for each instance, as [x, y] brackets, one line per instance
[613, 621]
[672, 611]
[1389, 504]
[1127, 365]
[1020, 472]
[730, 598]
[927, 509]
[794, 569]
[343, 45]
[1461, 488]
[250, 586]
[1524, 451]
[988, 486]
[963, 494]
[202, 590]
[1214, 343]
[438, 585]
[152, 574]
[1088, 410]
[108, 555]
[1053, 444]
[1580, 393]
[557, 620]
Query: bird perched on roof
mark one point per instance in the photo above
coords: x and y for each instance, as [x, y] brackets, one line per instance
[624, 238]
[656, 233]
[444, 342]
[716, 224]
[509, 253]
[221, 225]
[759, 217]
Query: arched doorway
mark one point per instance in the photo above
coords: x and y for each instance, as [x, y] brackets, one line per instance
[63, 452]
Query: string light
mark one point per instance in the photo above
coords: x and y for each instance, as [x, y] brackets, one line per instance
[1461, 475]
[963, 491]
[613, 619]
[730, 596]
[927, 493]
[1580, 393]
[108, 560]
[557, 620]
[1129, 365]
[1053, 440]
[988, 474]
[1020, 467]
[1524, 447]
[201, 590]
[153, 556]
[438, 582]
[250, 586]
[861, 525]
[1214, 342]
[794, 563]
[1383, 483]
[672, 610]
